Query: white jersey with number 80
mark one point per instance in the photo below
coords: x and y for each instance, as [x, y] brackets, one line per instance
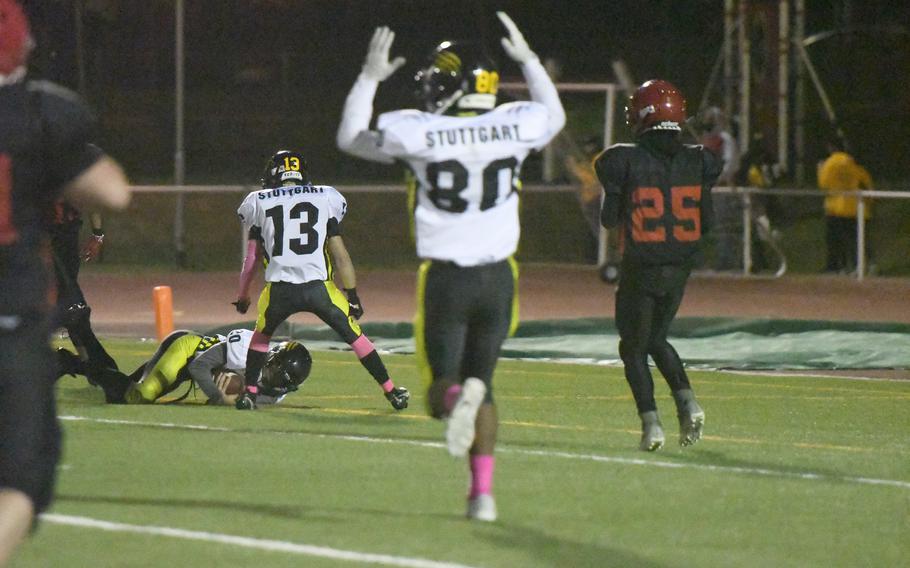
[468, 173]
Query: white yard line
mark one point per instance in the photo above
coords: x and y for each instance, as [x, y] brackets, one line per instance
[820, 374]
[807, 475]
[245, 542]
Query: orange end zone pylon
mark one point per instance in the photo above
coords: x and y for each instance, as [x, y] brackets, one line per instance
[163, 304]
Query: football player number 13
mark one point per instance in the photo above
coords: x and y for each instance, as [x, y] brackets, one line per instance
[306, 228]
[450, 177]
[650, 209]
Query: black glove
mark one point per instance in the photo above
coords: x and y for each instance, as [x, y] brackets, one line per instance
[242, 305]
[247, 399]
[355, 309]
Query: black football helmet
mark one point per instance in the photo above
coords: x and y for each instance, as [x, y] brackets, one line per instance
[287, 365]
[459, 77]
[284, 167]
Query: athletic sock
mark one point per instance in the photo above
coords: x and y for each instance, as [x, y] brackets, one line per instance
[255, 357]
[451, 397]
[482, 467]
[372, 362]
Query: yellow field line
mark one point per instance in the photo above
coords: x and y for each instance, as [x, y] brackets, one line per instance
[577, 428]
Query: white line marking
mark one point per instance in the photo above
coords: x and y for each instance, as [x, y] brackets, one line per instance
[816, 375]
[541, 453]
[257, 543]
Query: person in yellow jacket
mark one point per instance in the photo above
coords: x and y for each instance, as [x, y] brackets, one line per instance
[840, 173]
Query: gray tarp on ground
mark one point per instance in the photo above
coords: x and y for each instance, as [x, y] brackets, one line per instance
[714, 343]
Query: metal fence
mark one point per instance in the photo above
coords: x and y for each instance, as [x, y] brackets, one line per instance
[747, 195]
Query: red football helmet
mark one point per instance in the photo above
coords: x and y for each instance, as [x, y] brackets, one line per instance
[656, 105]
[15, 38]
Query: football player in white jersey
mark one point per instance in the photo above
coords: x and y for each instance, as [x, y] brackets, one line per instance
[296, 226]
[185, 355]
[466, 155]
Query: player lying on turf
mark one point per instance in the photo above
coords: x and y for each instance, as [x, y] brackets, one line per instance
[215, 363]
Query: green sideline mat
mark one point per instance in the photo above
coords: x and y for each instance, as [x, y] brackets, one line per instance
[710, 343]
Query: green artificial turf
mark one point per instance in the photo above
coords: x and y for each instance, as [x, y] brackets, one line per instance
[793, 471]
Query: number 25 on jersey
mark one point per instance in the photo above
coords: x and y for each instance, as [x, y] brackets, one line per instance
[649, 213]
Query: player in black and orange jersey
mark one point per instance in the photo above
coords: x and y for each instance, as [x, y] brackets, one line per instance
[44, 154]
[659, 191]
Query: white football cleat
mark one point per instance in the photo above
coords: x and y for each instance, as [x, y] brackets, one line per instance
[652, 432]
[460, 427]
[482, 508]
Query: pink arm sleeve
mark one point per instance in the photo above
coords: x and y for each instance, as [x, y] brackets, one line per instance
[249, 268]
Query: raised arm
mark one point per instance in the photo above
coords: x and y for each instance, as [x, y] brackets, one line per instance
[540, 86]
[354, 134]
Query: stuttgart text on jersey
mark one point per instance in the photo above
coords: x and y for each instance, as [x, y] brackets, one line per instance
[472, 135]
[291, 190]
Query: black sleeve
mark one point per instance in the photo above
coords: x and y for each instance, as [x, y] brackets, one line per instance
[254, 234]
[68, 126]
[333, 228]
[712, 166]
[611, 171]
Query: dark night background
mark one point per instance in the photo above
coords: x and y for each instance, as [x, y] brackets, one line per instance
[268, 73]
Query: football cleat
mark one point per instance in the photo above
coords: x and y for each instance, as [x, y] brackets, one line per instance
[652, 432]
[690, 425]
[460, 426]
[482, 508]
[691, 417]
[398, 397]
[247, 399]
[68, 363]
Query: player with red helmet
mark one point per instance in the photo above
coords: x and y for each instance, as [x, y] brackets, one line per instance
[658, 190]
[45, 153]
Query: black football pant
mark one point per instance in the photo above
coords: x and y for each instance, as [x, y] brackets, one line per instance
[72, 312]
[647, 300]
[466, 315]
[29, 432]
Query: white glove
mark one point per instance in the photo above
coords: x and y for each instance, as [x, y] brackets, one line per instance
[377, 65]
[515, 45]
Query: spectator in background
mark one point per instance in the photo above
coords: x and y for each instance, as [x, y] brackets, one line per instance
[44, 154]
[837, 174]
[757, 169]
[717, 138]
[580, 166]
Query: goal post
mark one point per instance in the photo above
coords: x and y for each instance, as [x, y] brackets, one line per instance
[608, 91]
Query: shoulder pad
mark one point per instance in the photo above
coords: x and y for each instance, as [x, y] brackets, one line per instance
[404, 117]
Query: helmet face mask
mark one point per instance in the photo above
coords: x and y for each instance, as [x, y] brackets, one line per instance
[656, 105]
[287, 365]
[285, 167]
[459, 77]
